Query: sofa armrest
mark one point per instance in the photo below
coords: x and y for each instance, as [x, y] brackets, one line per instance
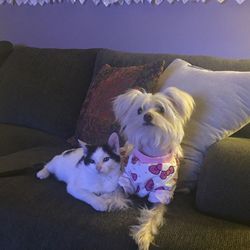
[224, 184]
[5, 49]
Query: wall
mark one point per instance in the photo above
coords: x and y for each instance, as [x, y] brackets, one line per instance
[208, 29]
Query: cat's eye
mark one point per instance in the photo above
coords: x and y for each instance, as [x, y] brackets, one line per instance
[139, 111]
[106, 159]
[91, 161]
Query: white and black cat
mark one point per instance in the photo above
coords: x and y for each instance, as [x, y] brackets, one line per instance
[91, 174]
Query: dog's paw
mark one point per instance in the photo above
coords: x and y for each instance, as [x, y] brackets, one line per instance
[42, 174]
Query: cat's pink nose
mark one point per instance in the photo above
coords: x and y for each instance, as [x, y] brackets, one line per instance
[99, 168]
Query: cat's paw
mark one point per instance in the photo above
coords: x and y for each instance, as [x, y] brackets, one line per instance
[42, 174]
[100, 205]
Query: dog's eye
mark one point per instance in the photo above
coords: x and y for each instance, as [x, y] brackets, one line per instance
[139, 111]
[91, 161]
[106, 159]
[161, 110]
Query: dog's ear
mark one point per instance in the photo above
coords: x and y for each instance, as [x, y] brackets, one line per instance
[182, 102]
[122, 104]
[113, 142]
[83, 146]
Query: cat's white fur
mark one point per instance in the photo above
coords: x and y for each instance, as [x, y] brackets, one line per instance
[96, 183]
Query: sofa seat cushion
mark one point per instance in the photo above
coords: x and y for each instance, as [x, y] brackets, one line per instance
[14, 138]
[44, 88]
[39, 213]
[224, 183]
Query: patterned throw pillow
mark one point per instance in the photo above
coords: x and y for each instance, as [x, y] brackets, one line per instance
[96, 120]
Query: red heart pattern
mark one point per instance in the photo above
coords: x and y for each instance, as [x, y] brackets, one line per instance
[134, 160]
[149, 185]
[165, 174]
[155, 169]
[134, 176]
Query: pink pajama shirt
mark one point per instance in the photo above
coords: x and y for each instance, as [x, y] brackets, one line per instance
[152, 176]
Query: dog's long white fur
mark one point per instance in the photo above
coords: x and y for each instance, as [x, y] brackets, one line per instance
[165, 136]
[150, 221]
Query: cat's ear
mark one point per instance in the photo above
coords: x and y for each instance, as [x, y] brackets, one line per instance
[83, 146]
[113, 142]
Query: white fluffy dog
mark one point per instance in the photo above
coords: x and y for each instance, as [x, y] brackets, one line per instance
[154, 125]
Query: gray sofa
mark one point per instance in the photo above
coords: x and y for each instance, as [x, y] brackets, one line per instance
[41, 92]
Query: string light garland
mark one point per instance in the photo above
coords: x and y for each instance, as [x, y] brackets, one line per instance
[105, 2]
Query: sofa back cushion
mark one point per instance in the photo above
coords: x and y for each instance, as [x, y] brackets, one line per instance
[5, 49]
[17, 138]
[44, 88]
[118, 59]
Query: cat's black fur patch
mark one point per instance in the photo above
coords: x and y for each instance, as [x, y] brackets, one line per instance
[90, 151]
[80, 161]
[106, 148]
[92, 148]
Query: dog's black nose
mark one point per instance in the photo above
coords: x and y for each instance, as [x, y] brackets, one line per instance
[148, 118]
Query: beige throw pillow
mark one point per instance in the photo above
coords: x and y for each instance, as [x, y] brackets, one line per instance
[222, 107]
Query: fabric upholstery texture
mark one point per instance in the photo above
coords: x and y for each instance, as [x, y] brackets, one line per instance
[29, 158]
[123, 59]
[224, 183]
[5, 49]
[15, 138]
[41, 211]
[243, 133]
[222, 108]
[96, 121]
[44, 88]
